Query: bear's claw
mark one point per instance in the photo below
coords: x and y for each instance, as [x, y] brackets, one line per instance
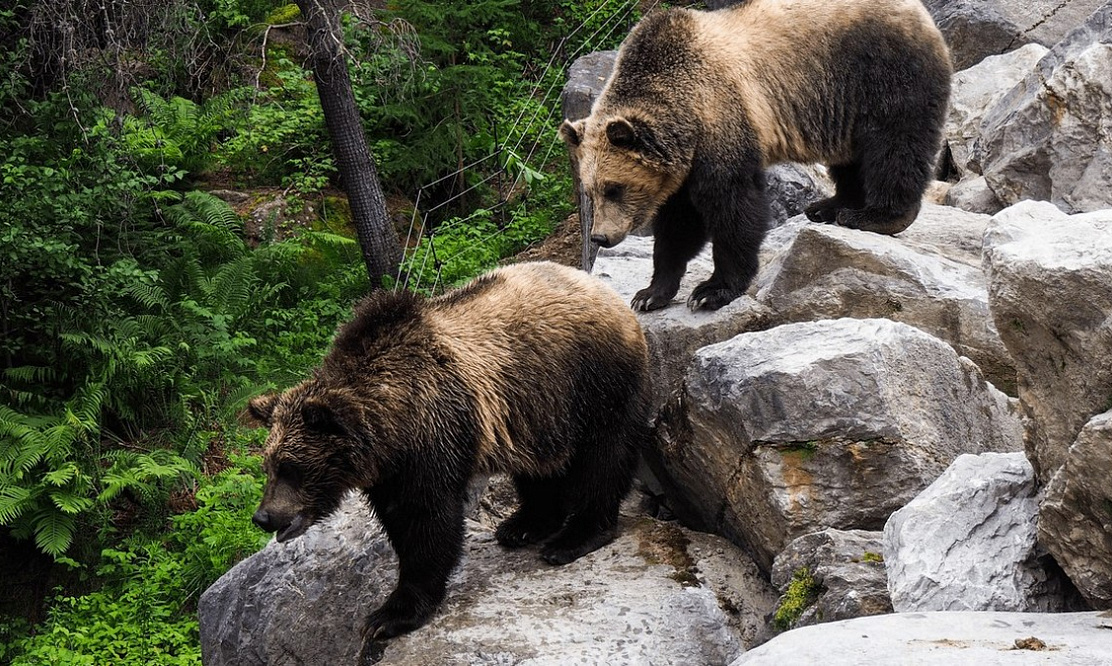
[710, 297]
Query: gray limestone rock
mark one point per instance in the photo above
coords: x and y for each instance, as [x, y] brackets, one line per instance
[1050, 137]
[1049, 277]
[1075, 519]
[792, 187]
[975, 90]
[674, 333]
[655, 595]
[586, 77]
[848, 568]
[975, 29]
[945, 639]
[973, 195]
[967, 542]
[831, 272]
[821, 424]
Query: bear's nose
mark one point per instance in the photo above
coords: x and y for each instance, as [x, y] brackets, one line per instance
[262, 519]
[599, 239]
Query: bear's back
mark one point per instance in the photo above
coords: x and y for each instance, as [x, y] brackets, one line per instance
[524, 337]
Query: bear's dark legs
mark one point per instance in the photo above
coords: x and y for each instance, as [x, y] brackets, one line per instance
[599, 477]
[848, 193]
[737, 219]
[895, 170]
[541, 512]
[427, 535]
[679, 233]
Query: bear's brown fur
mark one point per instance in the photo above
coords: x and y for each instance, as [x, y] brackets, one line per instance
[535, 370]
[700, 102]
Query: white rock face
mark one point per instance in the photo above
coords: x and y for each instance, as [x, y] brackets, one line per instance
[967, 542]
[975, 90]
[943, 639]
[650, 597]
[822, 424]
[1049, 290]
[1050, 137]
[1075, 520]
[832, 272]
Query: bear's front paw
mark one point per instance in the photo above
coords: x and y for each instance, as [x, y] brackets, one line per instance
[650, 299]
[393, 619]
[711, 296]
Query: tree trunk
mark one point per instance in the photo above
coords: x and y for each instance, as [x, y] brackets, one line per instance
[381, 251]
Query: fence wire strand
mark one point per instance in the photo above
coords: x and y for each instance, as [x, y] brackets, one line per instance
[522, 129]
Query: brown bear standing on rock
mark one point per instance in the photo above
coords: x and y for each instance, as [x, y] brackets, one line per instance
[700, 102]
[535, 370]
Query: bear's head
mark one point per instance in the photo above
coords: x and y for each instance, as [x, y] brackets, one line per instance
[627, 167]
[315, 452]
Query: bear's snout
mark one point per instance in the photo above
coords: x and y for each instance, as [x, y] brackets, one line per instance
[263, 520]
[602, 241]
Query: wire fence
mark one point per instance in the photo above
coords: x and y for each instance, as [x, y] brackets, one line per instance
[516, 156]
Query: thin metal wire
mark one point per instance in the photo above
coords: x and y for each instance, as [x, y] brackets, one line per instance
[546, 101]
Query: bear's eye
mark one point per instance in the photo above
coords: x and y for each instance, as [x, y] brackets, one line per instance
[289, 471]
[613, 192]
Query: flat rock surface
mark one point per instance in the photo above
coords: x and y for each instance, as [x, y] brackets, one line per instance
[655, 595]
[945, 639]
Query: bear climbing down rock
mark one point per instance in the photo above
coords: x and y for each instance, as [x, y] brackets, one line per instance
[699, 103]
[535, 370]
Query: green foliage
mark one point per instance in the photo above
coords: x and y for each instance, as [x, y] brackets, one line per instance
[801, 593]
[135, 320]
[144, 611]
[177, 136]
[242, 13]
[461, 248]
[870, 556]
[283, 137]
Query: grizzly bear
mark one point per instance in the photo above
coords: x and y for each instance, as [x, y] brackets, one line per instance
[536, 370]
[700, 102]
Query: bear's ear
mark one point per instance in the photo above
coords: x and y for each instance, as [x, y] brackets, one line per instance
[639, 136]
[261, 408]
[572, 133]
[333, 413]
[621, 133]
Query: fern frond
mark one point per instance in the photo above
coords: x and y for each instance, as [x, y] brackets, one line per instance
[53, 531]
[14, 501]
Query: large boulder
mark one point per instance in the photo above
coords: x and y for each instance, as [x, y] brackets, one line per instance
[674, 333]
[975, 29]
[1075, 519]
[975, 90]
[846, 569]
[645, 598]
[830, 272]
[821, 424]
[944, 639]
[1049, 280]
[967, 542]
[1050, 137]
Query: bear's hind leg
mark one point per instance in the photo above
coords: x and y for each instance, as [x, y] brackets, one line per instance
[895, 171]
[847, 194]
[541, 512]
[600, 476]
